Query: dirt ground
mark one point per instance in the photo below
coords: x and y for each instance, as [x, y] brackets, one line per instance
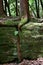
[39, 61]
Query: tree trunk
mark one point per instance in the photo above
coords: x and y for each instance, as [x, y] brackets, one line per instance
[24, 11]
[19, 48]
[1, 8]
[41, 4]
[16, 8]
[24, 8]
[37, 8]
[7, 5]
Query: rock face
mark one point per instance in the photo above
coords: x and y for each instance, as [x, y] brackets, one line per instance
[7, 47]
[31, 39]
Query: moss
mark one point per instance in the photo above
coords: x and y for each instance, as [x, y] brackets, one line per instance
[7, 47]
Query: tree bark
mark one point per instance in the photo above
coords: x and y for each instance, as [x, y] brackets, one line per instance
[7, 5]
[1, 8]
[41, 4]
[18, 47]
[24, 11]
[16, 8]
[24, 8]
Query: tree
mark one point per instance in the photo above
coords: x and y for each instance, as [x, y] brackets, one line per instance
[16, 8]
[24, 10]
[37, 8]
[6, 6]
[41, 4]
[1, 8]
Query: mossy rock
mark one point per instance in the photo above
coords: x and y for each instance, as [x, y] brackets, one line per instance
[32, 41]
[8, 50]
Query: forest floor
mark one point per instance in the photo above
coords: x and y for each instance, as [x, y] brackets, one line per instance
[39, 61]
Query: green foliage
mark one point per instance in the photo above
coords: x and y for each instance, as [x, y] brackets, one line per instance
[31, 2]
[10, 22]
[16, 33]
[23, 20]
[13, 7]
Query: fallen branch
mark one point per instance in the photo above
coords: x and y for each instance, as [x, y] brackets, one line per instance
[4, 20]
[10, 18]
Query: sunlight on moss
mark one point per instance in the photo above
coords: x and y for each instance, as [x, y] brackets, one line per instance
[23, 20]
[9, 22]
